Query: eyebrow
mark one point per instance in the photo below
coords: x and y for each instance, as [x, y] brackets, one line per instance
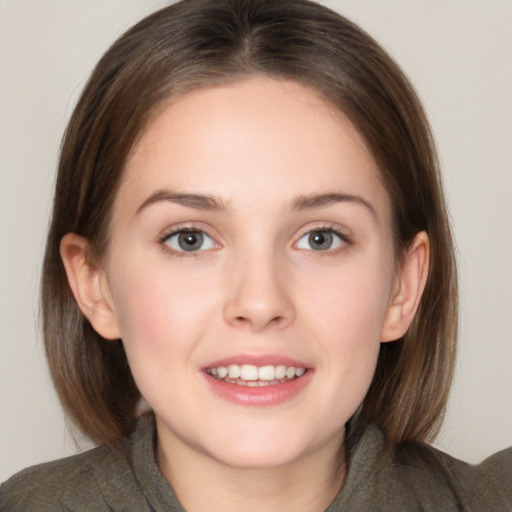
[213, 203]
[197, 201]
[312, 201]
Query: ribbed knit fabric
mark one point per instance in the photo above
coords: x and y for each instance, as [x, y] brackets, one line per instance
[412, 478]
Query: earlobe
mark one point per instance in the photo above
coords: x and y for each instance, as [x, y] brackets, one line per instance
[409, 286]
[89, 286]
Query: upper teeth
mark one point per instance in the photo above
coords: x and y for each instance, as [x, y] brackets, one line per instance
[251, 372]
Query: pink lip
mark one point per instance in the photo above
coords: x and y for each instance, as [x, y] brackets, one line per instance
[257, 360]
[258, 395]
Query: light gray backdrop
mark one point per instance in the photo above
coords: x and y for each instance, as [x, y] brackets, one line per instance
[458, 54]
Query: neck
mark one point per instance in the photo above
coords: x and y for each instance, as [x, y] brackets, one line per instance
[309, 484]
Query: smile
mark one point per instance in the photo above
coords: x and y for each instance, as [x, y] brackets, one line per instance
[255, 376]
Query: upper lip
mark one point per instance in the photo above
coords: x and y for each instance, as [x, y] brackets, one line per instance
[257, 360]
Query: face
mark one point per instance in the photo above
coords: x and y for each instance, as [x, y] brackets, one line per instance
[251, 272]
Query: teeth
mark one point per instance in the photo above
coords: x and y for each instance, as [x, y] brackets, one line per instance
[290, 372]
[266, 373]
[250, 375]
[248, 372]
[280, 371]
[300, 371]
[234, 371]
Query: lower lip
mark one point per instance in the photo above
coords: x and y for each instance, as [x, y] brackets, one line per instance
[259, 395]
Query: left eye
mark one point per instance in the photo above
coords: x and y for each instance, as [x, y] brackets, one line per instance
[321, 240]
[189, 241]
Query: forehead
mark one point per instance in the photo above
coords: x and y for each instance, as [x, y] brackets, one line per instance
[229, 140]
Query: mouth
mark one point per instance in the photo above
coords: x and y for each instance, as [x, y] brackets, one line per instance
[256, 376]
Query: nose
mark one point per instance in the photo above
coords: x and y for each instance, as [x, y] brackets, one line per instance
[258, 297]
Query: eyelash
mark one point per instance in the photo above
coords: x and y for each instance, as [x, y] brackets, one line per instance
[163, 241]
[344, 240]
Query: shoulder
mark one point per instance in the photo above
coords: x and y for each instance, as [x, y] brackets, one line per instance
[72, 484]
[417, 476]
[436, 476]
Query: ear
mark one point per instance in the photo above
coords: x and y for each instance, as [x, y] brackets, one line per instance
[408, 289]
[89, 285]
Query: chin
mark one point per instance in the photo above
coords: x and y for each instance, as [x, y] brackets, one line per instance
[265, 450]
[255, 459]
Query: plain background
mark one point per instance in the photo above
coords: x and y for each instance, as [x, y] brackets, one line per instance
[459, 56]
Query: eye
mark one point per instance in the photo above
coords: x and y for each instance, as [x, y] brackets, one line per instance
[189, 240]
[321, 240]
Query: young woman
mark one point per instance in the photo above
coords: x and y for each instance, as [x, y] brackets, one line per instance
[249, 291]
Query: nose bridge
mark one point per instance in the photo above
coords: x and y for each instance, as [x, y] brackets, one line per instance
[258, 293]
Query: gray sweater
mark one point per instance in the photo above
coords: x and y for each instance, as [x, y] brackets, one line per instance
[127, 478]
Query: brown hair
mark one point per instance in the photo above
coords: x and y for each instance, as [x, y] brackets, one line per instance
[197, 43]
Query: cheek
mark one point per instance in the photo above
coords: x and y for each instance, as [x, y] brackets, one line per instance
[351, 302]
[160, 311]
[162, 318]
[347, 310]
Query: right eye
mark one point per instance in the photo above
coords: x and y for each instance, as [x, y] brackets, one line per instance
[189, 240]
[322, 240]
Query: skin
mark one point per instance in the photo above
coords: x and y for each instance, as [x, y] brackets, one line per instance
[256, 287]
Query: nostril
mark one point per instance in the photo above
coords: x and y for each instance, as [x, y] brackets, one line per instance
[274, 320]
[277, 321]
[258, 310]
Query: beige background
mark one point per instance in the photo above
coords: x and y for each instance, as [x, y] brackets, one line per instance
[458, 54]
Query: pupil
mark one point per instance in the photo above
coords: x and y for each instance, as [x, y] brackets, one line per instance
[190, 241]
[320, 240]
